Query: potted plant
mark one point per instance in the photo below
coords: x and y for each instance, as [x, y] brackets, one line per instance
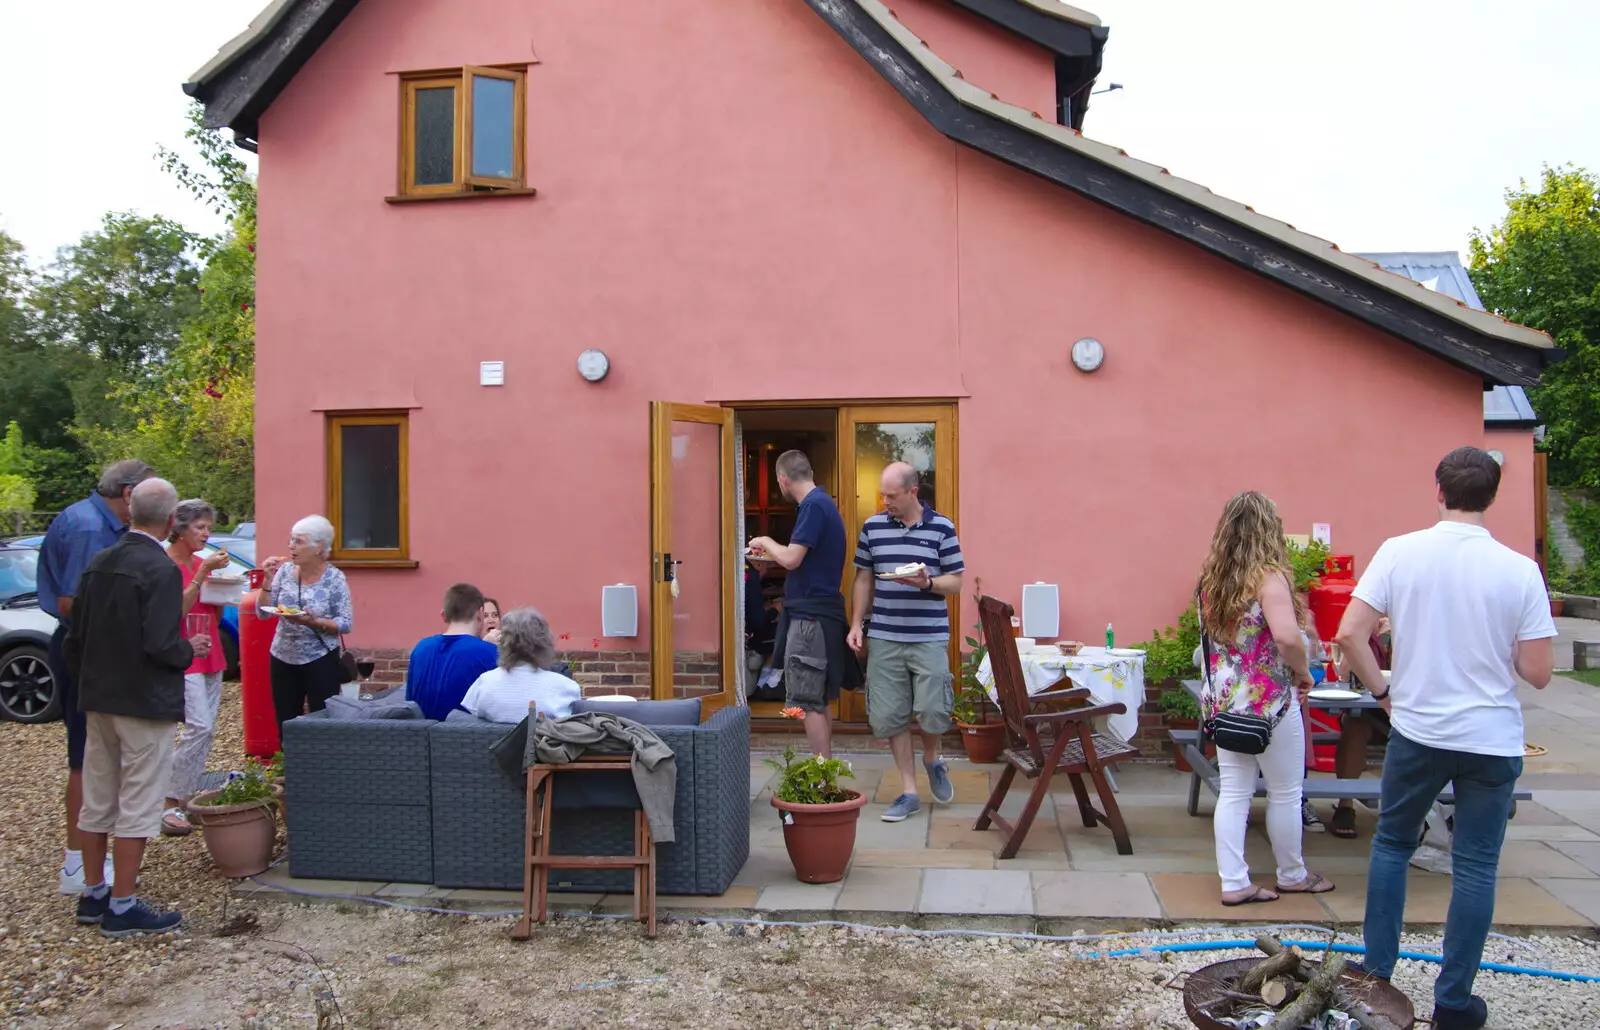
[1558, 605]
[819, 816]
[982, 736]
[1182, 712]
[239, 822]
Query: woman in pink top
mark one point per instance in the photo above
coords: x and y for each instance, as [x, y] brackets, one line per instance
[202, 684]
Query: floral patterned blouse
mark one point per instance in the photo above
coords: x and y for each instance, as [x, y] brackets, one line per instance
[327, 598]
[1248, 674]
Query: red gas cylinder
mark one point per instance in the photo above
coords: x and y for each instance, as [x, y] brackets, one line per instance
[1331, 597]
[255, 672]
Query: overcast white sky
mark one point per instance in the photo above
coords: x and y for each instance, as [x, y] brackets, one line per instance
[1392, 125]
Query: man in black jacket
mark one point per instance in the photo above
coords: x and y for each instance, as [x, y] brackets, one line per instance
[127, 652]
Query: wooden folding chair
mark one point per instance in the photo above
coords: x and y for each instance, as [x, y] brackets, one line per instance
[538, 861]
[1075, 749]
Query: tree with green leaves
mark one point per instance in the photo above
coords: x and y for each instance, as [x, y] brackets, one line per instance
[1541, 267]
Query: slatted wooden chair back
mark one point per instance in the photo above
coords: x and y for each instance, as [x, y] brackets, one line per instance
[1009, 685]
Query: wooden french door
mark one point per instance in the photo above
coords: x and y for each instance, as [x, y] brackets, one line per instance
[693, 564]
[870, 437]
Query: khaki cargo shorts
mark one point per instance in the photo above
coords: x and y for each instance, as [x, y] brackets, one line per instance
[126, 765]
[905, 680]
[805, 667]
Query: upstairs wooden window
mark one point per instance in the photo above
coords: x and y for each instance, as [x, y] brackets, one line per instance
[367, 488]
[461, 131]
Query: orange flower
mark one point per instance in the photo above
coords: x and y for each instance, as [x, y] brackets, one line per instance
[793, 713]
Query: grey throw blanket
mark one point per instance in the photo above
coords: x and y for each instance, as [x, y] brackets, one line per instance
[655, 769]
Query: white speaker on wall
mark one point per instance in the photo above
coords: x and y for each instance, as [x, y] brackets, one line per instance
[1041, 610]
[619, 611]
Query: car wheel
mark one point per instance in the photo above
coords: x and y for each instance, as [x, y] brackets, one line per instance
[230, 652]
[27, 687]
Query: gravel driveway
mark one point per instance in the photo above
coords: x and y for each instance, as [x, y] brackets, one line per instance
[252, 965]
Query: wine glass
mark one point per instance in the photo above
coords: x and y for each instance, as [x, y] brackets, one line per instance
[196, 624]
[364, 666]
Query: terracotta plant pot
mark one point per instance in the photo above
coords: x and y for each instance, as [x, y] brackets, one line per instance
[1558, 605]
[239, 837]
[820, 838]
[984, 740]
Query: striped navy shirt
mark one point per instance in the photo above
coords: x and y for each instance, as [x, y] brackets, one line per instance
[899, 610]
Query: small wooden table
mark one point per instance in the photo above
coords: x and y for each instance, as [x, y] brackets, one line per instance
[538, 861]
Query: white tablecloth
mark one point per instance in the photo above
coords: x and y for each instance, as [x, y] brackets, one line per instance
[1108, 678]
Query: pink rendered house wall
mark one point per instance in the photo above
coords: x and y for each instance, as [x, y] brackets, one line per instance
[735, 207]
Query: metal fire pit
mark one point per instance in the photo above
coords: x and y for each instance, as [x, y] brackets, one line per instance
[1206, 985]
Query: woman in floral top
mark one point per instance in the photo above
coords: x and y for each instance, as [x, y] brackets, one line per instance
[305, 648]
[1258, 667]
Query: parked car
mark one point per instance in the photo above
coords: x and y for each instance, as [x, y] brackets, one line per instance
[27, 687]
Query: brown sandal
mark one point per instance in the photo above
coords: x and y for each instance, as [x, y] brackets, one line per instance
[1258, 895]
[1314, 883]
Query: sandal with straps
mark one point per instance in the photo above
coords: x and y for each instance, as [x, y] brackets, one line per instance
[1258, 896]
[1314, 883]
[175, 823]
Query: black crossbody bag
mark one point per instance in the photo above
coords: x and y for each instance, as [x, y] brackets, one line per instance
[1241, 733]
[348, 671]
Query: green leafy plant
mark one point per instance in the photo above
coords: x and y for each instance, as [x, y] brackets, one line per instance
[245, 787]
[1307, 564]
[275, 766]
[1169, 653]
[1178, 703]
[972, 700]
[814, 781]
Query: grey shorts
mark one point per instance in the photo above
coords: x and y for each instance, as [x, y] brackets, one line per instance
[805, 667]
[905, 680]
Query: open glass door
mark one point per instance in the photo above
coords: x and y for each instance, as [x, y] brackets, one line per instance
[693, 564]
[871, 437]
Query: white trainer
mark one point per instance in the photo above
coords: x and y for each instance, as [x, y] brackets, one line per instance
[72, 883]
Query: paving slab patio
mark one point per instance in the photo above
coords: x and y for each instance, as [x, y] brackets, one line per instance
[935, 864]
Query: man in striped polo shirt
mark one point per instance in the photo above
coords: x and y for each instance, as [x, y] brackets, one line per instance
[908, 668]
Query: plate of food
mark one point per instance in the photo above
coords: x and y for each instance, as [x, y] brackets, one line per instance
[903, 571]
[761, 556]
[287, 609]
[1333, 694]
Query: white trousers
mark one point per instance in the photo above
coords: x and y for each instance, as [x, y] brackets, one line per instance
[202, 695]
[1282, 765]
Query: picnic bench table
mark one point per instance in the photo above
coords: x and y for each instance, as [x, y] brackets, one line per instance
[1205, 770]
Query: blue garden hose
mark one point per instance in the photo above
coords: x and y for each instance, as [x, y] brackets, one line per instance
[1348, 949]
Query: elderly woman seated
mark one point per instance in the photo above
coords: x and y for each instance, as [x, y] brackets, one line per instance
[526, 649]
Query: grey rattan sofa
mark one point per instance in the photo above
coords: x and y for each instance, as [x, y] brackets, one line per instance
[478, 813]
[418, 801]
[357, 798]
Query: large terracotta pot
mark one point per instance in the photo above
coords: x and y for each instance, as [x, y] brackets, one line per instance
[239, 837]
[820, 838]
[1558, 606]
[984, 740]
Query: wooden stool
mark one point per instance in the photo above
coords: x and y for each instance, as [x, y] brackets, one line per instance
[539, 861]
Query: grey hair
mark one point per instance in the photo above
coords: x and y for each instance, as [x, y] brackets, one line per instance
[190, 512]
[152, 503]
[525, 637]
[316, 529]
[119, 475]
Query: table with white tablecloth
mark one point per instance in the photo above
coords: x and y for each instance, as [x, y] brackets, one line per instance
[1109, 678]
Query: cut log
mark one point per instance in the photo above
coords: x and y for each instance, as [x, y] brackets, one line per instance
[1345, 1000]
[1277, 991]
[1285, 962]
[1273, 947]
[1317, 995]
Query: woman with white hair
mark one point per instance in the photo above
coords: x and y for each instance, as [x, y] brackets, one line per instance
[305, 648]
[526, 649]
[202, 683]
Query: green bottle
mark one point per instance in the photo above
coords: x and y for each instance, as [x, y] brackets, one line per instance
[1111, 637]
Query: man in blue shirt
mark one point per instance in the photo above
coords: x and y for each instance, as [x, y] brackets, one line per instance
[445, 665]
[810, 647]
[76, 535]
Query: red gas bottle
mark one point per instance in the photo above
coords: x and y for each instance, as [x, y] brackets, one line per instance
[1331, 597]
[255, 672]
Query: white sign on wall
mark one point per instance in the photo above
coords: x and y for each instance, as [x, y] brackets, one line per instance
[1322, 533]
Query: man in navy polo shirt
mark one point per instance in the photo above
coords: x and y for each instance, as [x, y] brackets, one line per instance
[82, 531]
[908, 669]
[811, 646]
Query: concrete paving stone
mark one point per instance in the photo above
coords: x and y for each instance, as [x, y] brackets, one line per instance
[976, 892]
[764, 866]
[930, 858]
[758, 781]
[1518, 902]
[874, 834]
[410, 892]
[971, 784]
[278, 876]
[950, 832]
[877, 889]
[1532, 813]
[507, 899]
[1094, 895]
[1580, 832]
[1582, 896]
[795, 896]
[1532, 858]
[1199, 896]
[1586, 853]
[1585, 782]
[734, 897]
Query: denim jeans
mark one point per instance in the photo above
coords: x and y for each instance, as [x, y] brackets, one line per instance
[1413, 776]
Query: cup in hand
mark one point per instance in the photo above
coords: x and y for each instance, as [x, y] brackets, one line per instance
[197, 627]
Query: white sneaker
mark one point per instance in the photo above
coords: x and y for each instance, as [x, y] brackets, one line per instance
[72, 883]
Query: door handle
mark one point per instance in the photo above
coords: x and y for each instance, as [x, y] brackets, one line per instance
[669, 568]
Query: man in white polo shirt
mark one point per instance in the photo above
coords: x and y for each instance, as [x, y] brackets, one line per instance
[1469, 616]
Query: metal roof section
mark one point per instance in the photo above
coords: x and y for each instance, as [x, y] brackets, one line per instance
[1504, 407]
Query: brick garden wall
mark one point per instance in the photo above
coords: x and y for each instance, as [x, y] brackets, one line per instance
[599, 672]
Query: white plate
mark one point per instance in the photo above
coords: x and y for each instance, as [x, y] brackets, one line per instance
[903, 571]
[1124, 652]
[1333, 694]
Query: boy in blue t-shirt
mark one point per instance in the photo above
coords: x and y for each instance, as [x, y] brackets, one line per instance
[443, 666]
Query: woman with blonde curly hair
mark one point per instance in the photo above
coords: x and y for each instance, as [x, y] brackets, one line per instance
[1258, 667]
